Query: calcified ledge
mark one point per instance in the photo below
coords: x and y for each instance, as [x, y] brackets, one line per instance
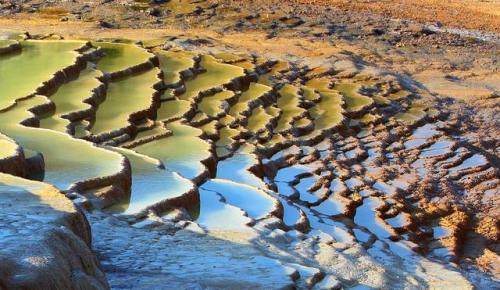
[142, 67]
[96, 97]
[121, 180]
[185, 200]
[11, 48]
[131, 129]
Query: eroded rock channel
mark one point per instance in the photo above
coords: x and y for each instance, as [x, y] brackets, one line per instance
[199, 169]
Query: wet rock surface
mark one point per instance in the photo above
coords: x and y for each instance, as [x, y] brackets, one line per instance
[45, 239]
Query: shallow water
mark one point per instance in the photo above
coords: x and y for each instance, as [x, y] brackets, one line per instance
[124, 98]
[288, 174]
[67, 160]
[353, 99]
[215, 214]
[120, 56]
[42, 59]
[150, 184]
[288, 103]
[216, 74]
[366, 216]
[236, 168]
[330, 206]
[173, 152]
[473, 161]
[254, 91]
[70, 97]
[172, 63]
[256, 203]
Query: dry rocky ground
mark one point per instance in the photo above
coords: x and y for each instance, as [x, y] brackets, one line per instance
[331, 146]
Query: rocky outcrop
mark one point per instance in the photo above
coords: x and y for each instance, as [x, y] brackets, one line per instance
[12, 160]
[56, 233]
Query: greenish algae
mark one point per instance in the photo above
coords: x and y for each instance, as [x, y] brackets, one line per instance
[401, 94]
[120, 56]
[302, 123]
[200, 117]
[7, 42]
[216, 74]
[150, 184]
[67, 160]
[172, 110]
[238, 108]
[154, 42]
[275, 140]
[9, 147]
[413, 115]
[258, 120]
[318, 71]
[226, 136]
[125, 97]
[158, 129]
[310, 94]
[172, 63]
[210, 128]
[255, 91]
[81, 129]
[328, 112]
[273, 111]
[168, 95]
[70, 98]
[368, 118]
[173, 152]
[227, 120]
[280, 67]
[246, 64]
[266, 79]
[353, 99]
[182, 6]
[212, 106]
[381, 100]
[319, 84]
[42, 59]
[228, 57]
[288, 102]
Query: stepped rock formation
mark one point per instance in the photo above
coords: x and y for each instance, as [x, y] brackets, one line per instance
[178, 163]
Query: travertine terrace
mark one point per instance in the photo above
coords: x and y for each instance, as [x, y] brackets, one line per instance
[177, 162]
